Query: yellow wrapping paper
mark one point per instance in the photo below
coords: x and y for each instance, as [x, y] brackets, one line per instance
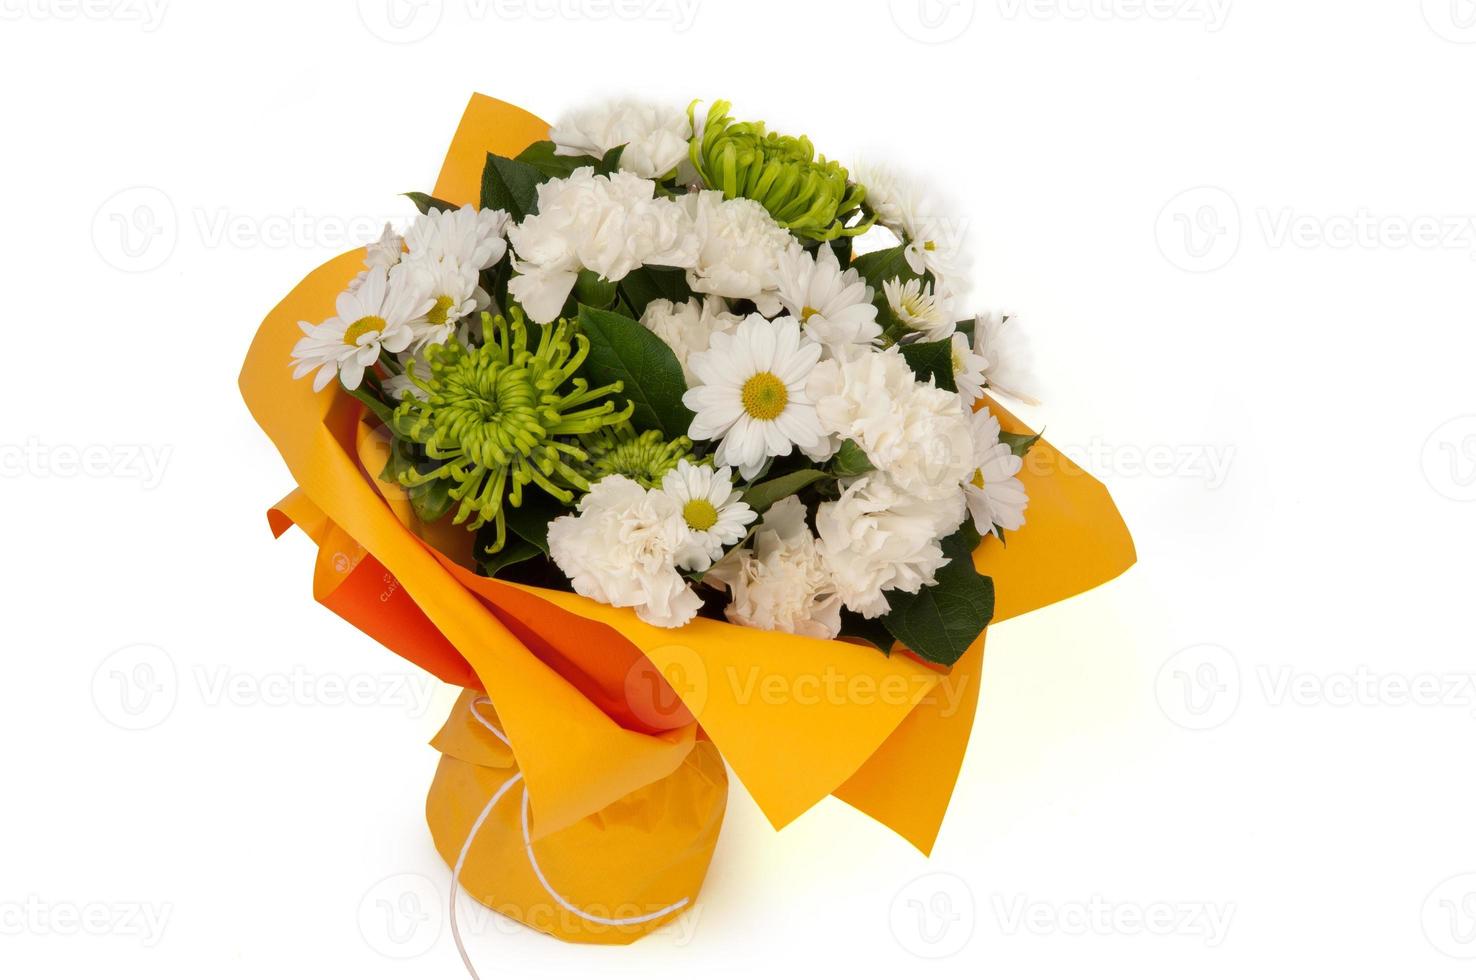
[796, 718]
[615, 875]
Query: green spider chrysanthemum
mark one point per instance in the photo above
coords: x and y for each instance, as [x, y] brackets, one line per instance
[492, 417]
[813, 198]
[645, 457]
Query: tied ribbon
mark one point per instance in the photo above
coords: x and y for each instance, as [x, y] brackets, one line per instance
[532, 859]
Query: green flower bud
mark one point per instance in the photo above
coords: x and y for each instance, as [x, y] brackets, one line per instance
[811, 197]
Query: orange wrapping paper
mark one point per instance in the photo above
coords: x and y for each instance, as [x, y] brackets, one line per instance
[598, 705]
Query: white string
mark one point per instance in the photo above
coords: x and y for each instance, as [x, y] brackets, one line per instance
[461, 862]
[532, 861]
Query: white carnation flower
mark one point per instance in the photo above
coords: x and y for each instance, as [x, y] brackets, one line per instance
[781, 582]
[687, 327]
[834, 305]
[715, 514]
[654, 136]
[621, 550]
[739, 247]
[916, 433]
[608, 225]
[995, 495]
[876, 539]
[1000, 340]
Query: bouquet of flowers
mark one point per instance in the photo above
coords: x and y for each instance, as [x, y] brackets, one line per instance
[650, 368]
[628, 389]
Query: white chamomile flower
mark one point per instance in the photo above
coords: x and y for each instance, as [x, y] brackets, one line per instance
[687, 327]
[715, 514]
[454, 292]
[1000, 340]
[374, 317]
[751, 392]
[996, 498]
[781, 582]
[621, 550]
[381, 254]
[654, 136]
[925, 224]
[386, 251]
[739, 247]
[917, 308]
[968, 369]
[833, 305]
[397, 386]
[878, 539]
[466, 236]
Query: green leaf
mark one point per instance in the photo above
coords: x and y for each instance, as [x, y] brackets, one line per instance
[610, 162]
[850, 460]
[939, 622]
[425, 202]
[932, 360]
[530, 520]
[544, 157]
[1019, 443]
[514, 550]
[873, 631]
[880, 267]
[593, 289]
[431, 501]
[761, 496]
[965, 327]
[620, 349]
[511, 185]
[649, 283]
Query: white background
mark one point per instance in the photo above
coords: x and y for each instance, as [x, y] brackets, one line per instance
[1241, 234]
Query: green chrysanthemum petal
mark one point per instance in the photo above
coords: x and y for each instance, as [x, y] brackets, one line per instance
[500, 416]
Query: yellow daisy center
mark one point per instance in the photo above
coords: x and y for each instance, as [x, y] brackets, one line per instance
[764, 396]
[700, 514]
[806, 313]
[930, 246]
[437, 314]
[363, 325]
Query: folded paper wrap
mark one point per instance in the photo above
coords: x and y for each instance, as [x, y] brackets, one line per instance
[600, 708]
